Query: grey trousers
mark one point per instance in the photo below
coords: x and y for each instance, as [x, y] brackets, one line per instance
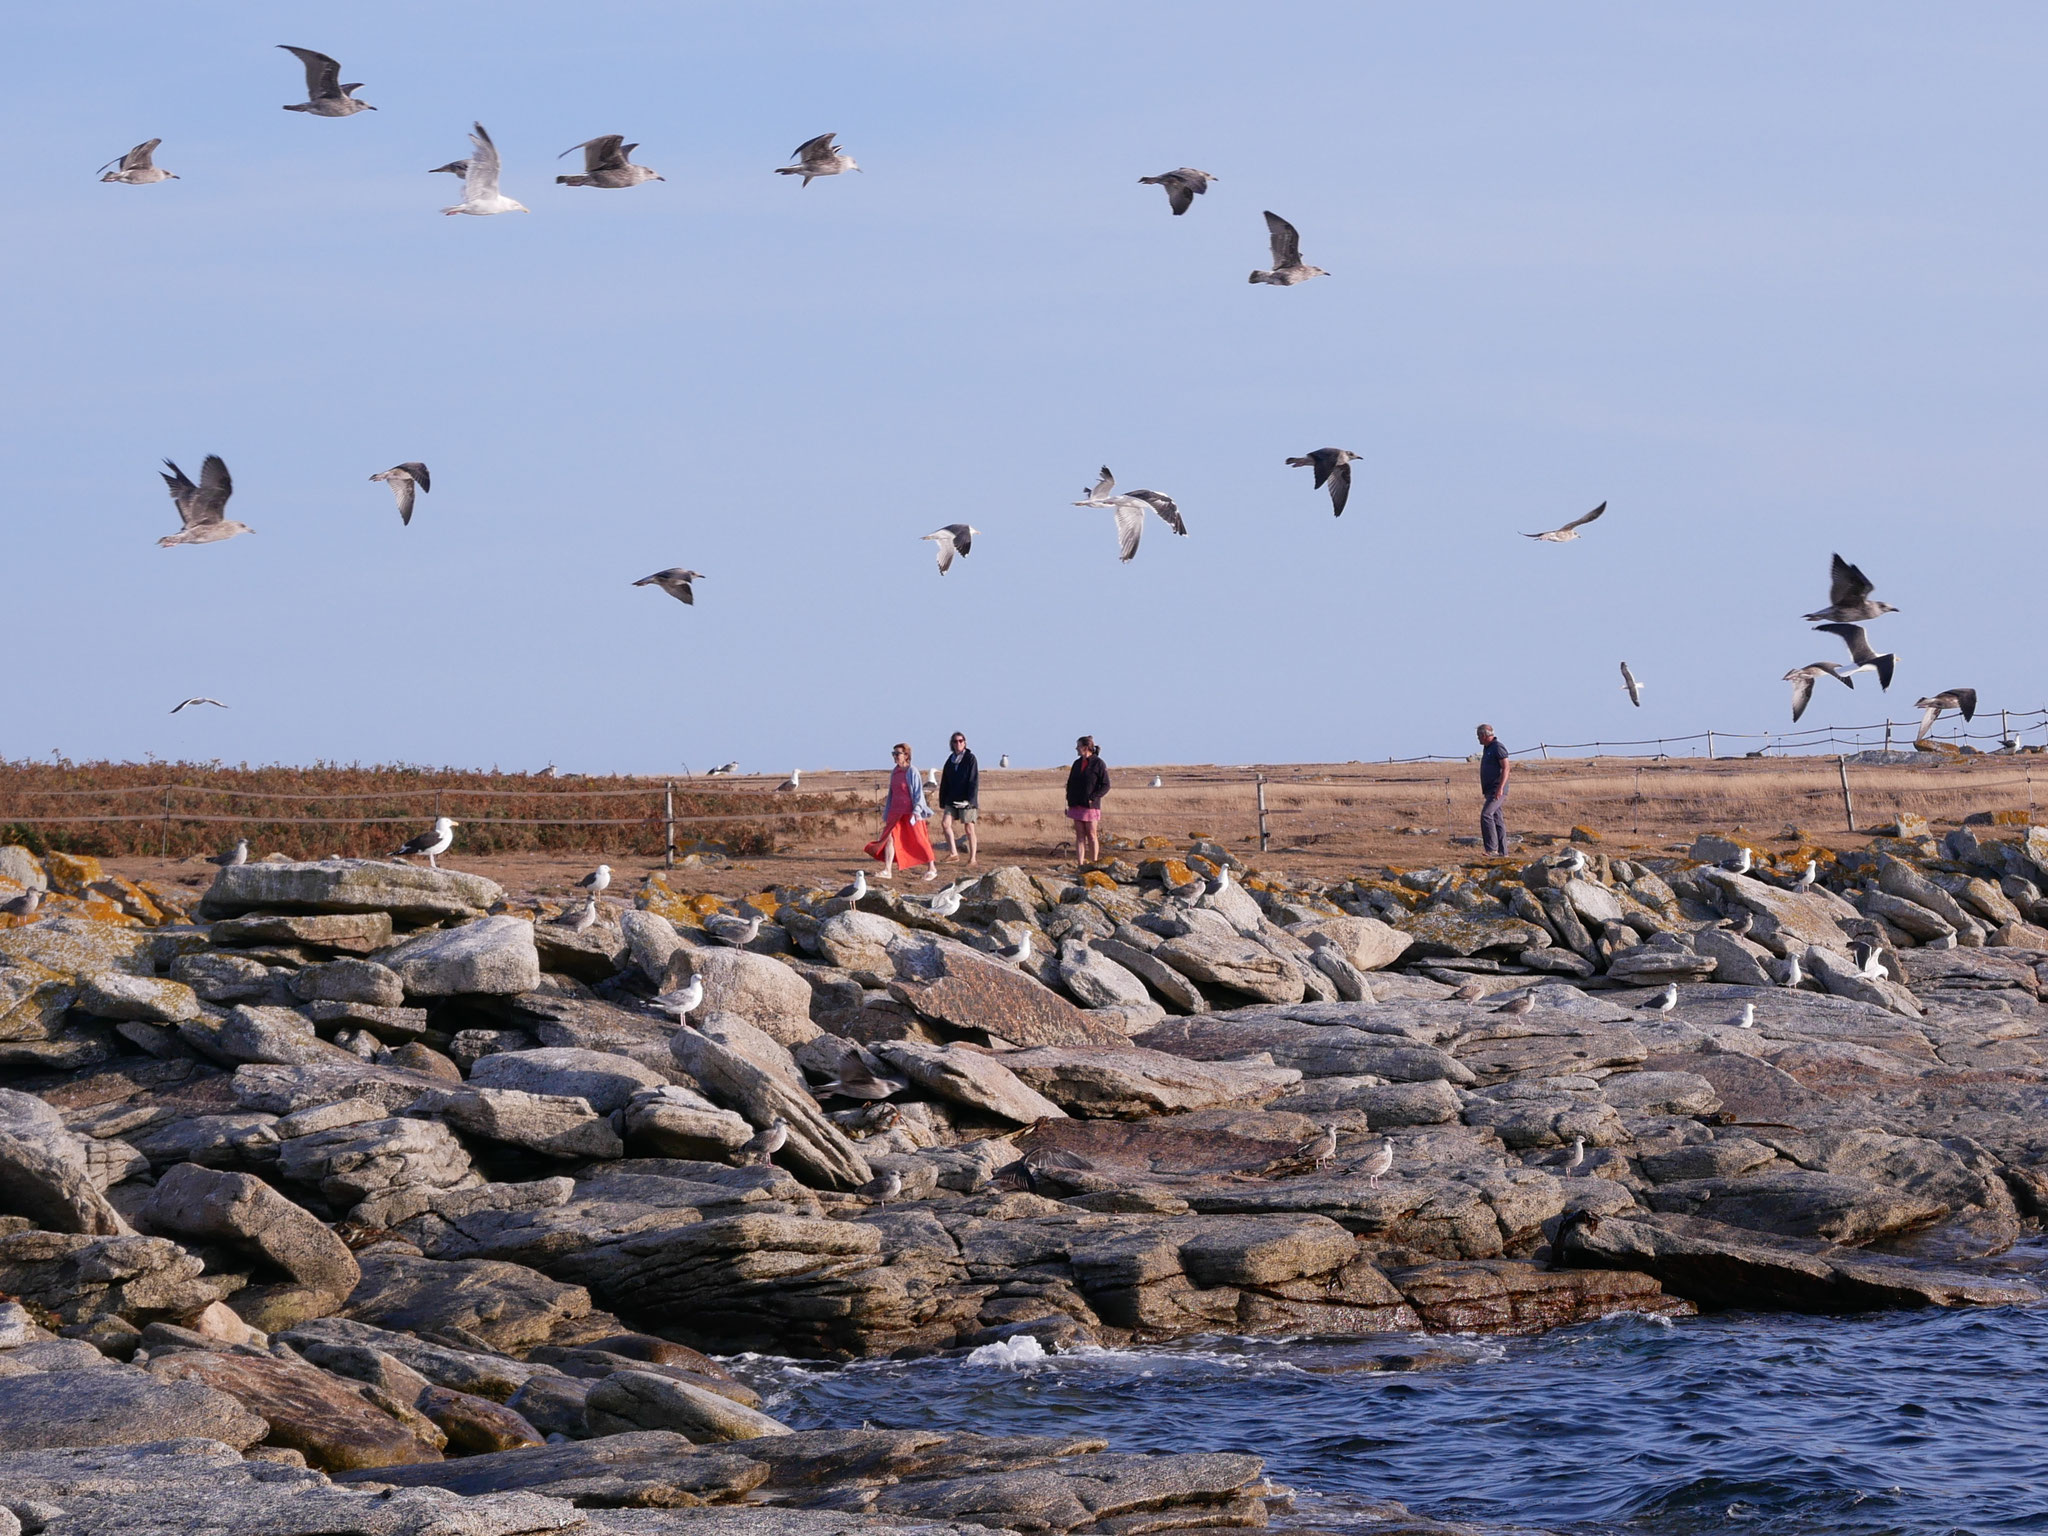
[1493, 832]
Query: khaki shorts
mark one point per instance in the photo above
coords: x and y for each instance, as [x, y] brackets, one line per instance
[963, 813]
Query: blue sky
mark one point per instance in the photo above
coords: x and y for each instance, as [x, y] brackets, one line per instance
[1766, 279]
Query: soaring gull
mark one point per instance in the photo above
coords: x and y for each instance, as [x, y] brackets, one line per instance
[1570, 530]
[953, 539]
[433, 844]
[202, 507]
[1962, 700]
[186, 703]
[1333, 468]
[480, 194]
[675, 581]
[817, 157]
[606, 164]
[1130, 509]
[1631, 687]
[402, 478]
[723, 768]
[1182, 187]
[136, 169]
[1867, 660]
[1801, 679]
[326, 96]
[1849, 600]
[1288, 267]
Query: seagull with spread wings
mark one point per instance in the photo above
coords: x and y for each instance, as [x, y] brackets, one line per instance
[1288, 267]
[326, 96]
[1961, 700]
[1802, 680]
[1333, 468]
[1849, 600]
[607, 163]
[187, 703]
[403, 478]
[136, 168]
[202, 507]
[675, 581]
[953, 539]
[1182, 187]
[1130, 509]
[818, 157]
[1860, 652]
[1631, 687]
[1570, 530]
[480, 194]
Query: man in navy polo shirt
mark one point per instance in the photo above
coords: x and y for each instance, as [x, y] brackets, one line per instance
[1493, 784]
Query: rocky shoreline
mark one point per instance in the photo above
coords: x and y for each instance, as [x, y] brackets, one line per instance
[361, 1197]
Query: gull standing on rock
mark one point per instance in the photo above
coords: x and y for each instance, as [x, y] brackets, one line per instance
[433, 844]
[884, 1186]
[945, 903]
[1801, 679]
[763, 1146]
[187, 703]
[1018, 954]
[1382, 1162]
[403, 478]
[1182, 187]
[1806, 877]
[1575, 862]
[1320, 1148]
[738, 932]
[1869, 959]
[235, 857]
[818, 157]
[682, 1002]
[598, 879]
[1666, 1000]
[1577, 1158]
[1288, 268]
[856, 890]
[1849, 600]
[1860, 652]
[1520, 1005]
[23, 905]
[480, 194]
[1631, 687]
[606, 164]
[1748, 1019]
[1333, 468]
[202, 507]
[1789, 974]
[136, 168]
[1130, 510]
[1740, 864]
[583, 919]
[953, 539]
[1962, 700]
[326, 96]
[1570, 530]
[675, 581]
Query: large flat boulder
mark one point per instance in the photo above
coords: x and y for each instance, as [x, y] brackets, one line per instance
[1233, 963]
[44, 1171]
[639, 1469]
[949, 984]
[816, 1150]
[1786, 922]
[1368, 943]
[304, 1409]
[506, 1306]
[493, 955]
[191, 1201]
[404, 891]
[1315, 1050]
[757, 988]
[601, 1079]
[1107, 1082]
[353, 933]
[116, 1405]
[977, 1079]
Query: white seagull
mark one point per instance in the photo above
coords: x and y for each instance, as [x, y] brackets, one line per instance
[202, 507]
[1748, 1019]
[1381, 1163]
[739, 932]
[1288, 268]
[1018, 953]
[791, 783]
[1575, 862]
[326, 96]
[1158, 781]
[1740, 864]
[136, 169]
[1130, 509]
[403, 478]
[1570, 530]
[598, 879]
[583, 919]
[675, 581]
[1182, 186]
[1791, 975]
[953, 539]
[817, 157]
[433, 844]
[856, 890]
[1578, 1155]
[187, 703]
[1631, 687]
[725, 768]
[1665, 1000]
[480, 194]
[1003, 761]
[945, 903]
[684, 1000]
[1806, 877]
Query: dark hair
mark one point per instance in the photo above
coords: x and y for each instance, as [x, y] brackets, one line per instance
[1087, 744]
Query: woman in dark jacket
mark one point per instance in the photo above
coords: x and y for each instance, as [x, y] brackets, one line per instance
[1087, 783]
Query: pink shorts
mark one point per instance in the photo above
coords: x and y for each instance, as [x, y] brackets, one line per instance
[1083, 813]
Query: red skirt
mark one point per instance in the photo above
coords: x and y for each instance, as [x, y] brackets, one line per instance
[912, 846]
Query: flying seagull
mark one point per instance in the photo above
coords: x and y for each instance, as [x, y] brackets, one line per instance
[817, 157]
[1801, 679]
[202, 507]
[1130, 511]
[1961, 700]
[1333, 468]
[326, 96]
[683, 1001]
[136, 169]
[794, 781]
[675, 581]
[233, 858]
[1288, 267]
[1849, 600]
[183, 703]
[1570, 530]
[765, 1144]
[953, 539]
[1867, 660]
[597, 880]
[1631, 687]
[402, 478]
[433, 844]
[606, 164]
[480, 194]
[726, 768]
[1182, 187]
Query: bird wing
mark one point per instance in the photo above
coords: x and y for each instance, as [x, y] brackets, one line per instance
[819, 148]
[419, 472]
[963, 537]
[1581, 521]
[1286, 243]
[480, 179]
[1846, 584]
[1179, 195]
[1130, 524]
[138, 158]
[184, 493]
[401, 492]
[1852, 637]
[1635, 690]
[1339, 476]
[602, 153]
[1966, 701]
[943, 542]
[1802, 692]
[1163, 505]
[323, 75]
[454, 168]
[1928, 716]
[215, 487]
[1102, 487]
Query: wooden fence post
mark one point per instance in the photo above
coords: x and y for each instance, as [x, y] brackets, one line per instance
[668, 817]
[1848, 805]
[1262, 813]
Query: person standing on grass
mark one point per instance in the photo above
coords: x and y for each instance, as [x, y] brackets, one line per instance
[960, 800]
[904, 814]
[1493, 784]
[1087, 783]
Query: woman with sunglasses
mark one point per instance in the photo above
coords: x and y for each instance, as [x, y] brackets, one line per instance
[904, 814]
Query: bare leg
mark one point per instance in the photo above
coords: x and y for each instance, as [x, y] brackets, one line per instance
[973, 845]
[952, 848]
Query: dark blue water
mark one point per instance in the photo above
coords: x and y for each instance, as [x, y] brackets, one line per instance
[1920, 1424]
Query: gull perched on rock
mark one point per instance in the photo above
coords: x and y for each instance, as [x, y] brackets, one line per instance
[683, 1001]
[1740, 924]
[582, 919]
[1807, 876]
[1288, 268]
[403, 478]
[884, 1186]
[1520, 1005]
[817, 157]
[23, 905]
[1382, 1161]
[1866, 659]
[1666, 1000]
[1801, 679]
[1182, 187]
[1741, 864]
[1849, 600]
[326, 96]
[1333, 468]
[598, 879]
[763, 1145]
[1962, 700]
[953, 539]
[1220, 884]
[1577, 1157]
[1320, 1148]
[1869, 959]
[1570, 530]
[856, 890]
[736, 931]
[136, 168]
[202, 507]
[480, 194]
[675, 581]
[1748, 1019]
[234, 857]
[433, 844]
[1018, 953]
[791, 782]
[1130, 509]
[1789, 974]
[1631, 687]
[1575, 862]
[187, 703]
[606, 164]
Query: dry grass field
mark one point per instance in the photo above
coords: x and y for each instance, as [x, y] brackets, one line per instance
[1322, 819]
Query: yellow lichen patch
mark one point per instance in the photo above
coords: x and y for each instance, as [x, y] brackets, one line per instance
[1096, 880]
[72, 948]
[658, 897]
[1585, 835]
[130, 898]
[1177, 871]
[71, 873]
[1155, 842]
[1201, 866]
[33, 1000]
[173, 901]
[764, 902]
[703, 904]
[2012, 818]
